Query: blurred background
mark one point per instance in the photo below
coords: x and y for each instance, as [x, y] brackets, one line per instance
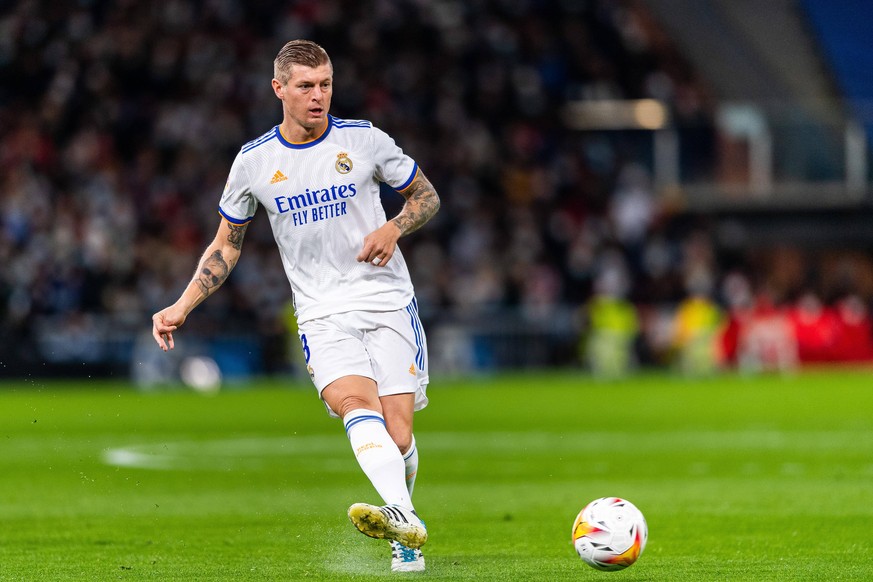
[626, 184]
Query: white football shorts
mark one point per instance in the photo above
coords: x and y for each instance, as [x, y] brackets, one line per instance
[388, 346]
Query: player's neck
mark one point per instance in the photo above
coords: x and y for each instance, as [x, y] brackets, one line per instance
[295, 133]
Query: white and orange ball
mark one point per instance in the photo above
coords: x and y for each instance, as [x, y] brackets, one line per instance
[610, 533]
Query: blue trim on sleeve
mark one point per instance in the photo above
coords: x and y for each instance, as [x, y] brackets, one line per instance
[233, 220]
[337, 122]
[406, 184]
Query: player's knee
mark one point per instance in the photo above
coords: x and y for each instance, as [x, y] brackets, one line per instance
[354, 402]
[348, 394]
[402, 438]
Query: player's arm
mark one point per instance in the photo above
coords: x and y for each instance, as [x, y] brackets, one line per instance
[422, 202]
[215, 265]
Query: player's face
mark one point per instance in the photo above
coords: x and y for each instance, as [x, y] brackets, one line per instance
[306, 95]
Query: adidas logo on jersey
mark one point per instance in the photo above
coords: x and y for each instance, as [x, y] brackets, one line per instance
[278, 177]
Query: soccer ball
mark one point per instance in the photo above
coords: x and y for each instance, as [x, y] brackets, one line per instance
[610, 533]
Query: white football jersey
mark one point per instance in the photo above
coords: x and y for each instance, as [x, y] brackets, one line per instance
[322, 198]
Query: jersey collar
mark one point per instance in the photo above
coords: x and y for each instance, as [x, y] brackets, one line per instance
[306, 144]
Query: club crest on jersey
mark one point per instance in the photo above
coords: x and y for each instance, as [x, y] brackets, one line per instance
[343, 163]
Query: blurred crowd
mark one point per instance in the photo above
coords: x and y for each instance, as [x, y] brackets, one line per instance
[119, 121]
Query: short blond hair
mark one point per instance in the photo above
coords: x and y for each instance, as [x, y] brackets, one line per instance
[298, 52]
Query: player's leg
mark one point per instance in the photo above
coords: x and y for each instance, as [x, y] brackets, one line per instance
[355, 400]
[398, 351]
[341, 369]
[398, 412]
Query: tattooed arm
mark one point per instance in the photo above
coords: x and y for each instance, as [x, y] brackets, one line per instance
[215, 265]
[422, 202]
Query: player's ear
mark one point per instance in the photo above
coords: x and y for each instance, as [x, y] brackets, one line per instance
[278, 89]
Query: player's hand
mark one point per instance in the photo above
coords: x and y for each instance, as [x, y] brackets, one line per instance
[379, 245]
[164, 323]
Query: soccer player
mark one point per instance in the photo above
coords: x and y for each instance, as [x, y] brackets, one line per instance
[318, 178]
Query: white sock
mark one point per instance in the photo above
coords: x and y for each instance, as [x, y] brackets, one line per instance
[411, 460]
[377, 455]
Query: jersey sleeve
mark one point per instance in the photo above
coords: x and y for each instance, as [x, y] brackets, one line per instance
[238, 204]
[392, 166]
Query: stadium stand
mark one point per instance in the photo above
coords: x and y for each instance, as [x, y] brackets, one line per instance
[119, 120]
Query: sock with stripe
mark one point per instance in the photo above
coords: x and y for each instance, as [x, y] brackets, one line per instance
[378, 456]
[411, 461]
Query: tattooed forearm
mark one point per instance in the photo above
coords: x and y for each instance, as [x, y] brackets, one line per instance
[422, 202]
[237, 232]
[213, 272]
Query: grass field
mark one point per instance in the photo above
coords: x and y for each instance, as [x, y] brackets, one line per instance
[763, 478]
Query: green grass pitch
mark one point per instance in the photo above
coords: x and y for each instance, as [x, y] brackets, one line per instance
[740, 478]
